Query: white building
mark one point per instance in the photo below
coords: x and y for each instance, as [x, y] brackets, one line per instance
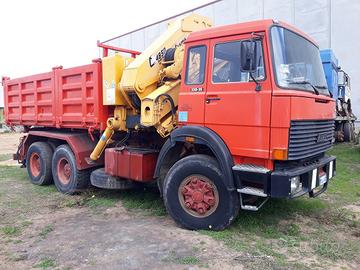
[332, 23]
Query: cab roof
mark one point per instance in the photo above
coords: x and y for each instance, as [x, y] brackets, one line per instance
[243, 28]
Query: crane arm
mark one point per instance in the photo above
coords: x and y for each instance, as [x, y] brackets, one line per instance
[150, 84]
[143, 74]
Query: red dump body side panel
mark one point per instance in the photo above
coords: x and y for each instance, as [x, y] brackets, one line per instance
[62, 98]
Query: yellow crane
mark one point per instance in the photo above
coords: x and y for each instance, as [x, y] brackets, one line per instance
[147, 87]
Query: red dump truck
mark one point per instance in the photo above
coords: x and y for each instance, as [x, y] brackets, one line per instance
[222, 118]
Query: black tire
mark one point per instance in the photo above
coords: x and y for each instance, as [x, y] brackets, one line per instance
[74, 180]
[348, 132]
[44, 153]
[100, 179]
[204, 166]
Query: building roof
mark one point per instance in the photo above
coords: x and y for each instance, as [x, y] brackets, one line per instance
[164, 20]
[241, 28]
[229, 30]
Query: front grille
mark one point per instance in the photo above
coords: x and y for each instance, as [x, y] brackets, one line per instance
[310, 138]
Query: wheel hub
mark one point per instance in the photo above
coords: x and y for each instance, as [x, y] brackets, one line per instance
[199, 196]
[67, 170]
[35, 164]
[64, 171]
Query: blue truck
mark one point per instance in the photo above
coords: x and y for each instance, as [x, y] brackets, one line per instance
[338, 82]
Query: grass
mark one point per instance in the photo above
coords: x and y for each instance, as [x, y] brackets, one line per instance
[282, 230]
[11, 172]
[346, 186]
[44, 190]
[46, 230]
[46, 263]
[4, 157]
[187, 260]
[100, 198]
[26, 223]
[279, 228]
[11, 230]
[146, 200]
[17, 257]
[340, 250]
[266, 222]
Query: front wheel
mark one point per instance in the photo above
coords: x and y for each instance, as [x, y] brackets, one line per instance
[196, 196]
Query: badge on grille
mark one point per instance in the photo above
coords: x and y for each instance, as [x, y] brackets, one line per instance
[322, 137]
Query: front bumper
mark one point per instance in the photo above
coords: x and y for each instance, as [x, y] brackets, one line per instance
[313, 179]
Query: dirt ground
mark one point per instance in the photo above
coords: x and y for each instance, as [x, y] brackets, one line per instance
[43, 229]
[8, 145]
[88, 238]
[113, 239]
[9, 142]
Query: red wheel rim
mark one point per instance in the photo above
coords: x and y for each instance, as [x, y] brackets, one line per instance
[198, 196]
[64, 171]
[35, 164]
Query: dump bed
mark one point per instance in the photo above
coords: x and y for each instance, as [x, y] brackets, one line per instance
[62, 98]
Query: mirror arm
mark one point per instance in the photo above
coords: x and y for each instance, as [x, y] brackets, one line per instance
[258, 85]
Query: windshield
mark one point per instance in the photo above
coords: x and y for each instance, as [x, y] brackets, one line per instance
[297, 62]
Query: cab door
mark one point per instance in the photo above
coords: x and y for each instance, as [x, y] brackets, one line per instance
[193, 87]
[233, 107]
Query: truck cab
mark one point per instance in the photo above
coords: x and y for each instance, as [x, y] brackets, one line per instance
[276, 119]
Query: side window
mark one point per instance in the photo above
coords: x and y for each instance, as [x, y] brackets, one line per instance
[196, 58]
[226, 64]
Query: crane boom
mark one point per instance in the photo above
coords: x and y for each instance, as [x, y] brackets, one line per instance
[143, 74]
[148, 86]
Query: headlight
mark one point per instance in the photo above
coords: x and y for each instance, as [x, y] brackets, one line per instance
[295, 184]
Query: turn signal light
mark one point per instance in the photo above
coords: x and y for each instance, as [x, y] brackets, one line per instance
[280, 154]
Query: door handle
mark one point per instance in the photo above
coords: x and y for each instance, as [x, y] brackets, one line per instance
[209, 99]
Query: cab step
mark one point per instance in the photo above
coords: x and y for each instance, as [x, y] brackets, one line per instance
[249, 207]
[253, 207]
[252, 191]
[250, 168]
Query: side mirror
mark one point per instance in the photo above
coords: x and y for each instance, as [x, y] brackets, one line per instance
[341, 78]
[248, 56]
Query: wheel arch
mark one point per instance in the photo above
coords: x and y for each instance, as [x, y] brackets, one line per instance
[200, 136]
[79, 142]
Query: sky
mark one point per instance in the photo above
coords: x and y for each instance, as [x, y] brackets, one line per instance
[37, 35]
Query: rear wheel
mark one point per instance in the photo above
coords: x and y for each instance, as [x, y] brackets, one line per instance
[38, 163]
[196, 196]
[348, 132]
[67, 178]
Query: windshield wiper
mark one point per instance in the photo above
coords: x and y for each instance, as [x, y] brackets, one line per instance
[316, 90]
[324, 87]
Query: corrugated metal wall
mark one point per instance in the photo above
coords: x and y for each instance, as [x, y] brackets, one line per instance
[332, 23]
